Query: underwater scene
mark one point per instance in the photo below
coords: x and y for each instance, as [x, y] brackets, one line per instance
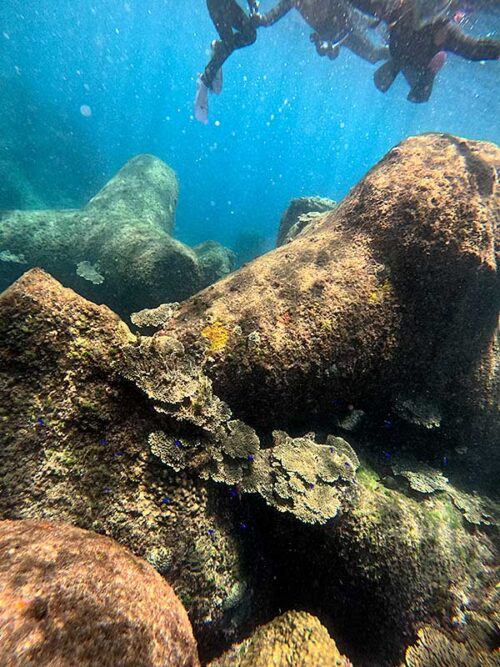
[249, 333]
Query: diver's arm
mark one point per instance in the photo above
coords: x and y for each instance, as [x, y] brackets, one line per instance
[275, 14]
[472, 48]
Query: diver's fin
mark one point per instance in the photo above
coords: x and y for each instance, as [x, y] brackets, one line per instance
[420, 93]
[216, 86]
[201, 102]
[385, 75]
[217, 83]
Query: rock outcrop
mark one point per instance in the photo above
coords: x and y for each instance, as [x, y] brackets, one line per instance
[118, 249]
[390, 564]
[71, 597]
[393, 296]
[123, 434]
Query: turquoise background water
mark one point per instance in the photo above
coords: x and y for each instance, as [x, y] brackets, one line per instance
[287, 124]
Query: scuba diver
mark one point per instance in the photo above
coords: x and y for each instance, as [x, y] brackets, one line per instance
[419, 40]
[236, 30]
[335, 23]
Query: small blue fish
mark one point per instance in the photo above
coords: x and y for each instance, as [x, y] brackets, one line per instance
[211, 532]
[311, 486]
[233, 492]
[251, 458]
[165, 500]
[118, 453]
[40, 422]
[103, 441]
[387, 455]
[445, 460]
[243, 525]
[388, 424]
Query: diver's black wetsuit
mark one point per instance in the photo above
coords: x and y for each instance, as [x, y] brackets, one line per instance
[335, 22]
[228, 15]
[413, 48]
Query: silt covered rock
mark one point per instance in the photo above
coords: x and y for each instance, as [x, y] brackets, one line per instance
[74, 442]
[299, 214]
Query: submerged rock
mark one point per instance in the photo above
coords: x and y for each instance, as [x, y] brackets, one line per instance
[299, 214]
[215, 260]
[69, 596]
[145, 189]
[396, 288]
[117, 249]
[295, 638]
[134, 436]
[471, 642]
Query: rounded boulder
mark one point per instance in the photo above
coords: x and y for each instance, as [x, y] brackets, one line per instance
[71, 597]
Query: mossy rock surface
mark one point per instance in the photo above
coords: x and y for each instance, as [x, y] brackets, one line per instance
[118, 249]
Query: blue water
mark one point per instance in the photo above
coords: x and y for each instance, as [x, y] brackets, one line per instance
[287, 124]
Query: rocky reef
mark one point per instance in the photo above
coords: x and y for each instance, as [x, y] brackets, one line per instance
[75, 448]
[118, 249]
[282, 442]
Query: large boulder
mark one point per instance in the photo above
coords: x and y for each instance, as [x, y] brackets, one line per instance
[389, 565]
[118, 249]
[391, 297]
[125, 434]
[71, 597]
